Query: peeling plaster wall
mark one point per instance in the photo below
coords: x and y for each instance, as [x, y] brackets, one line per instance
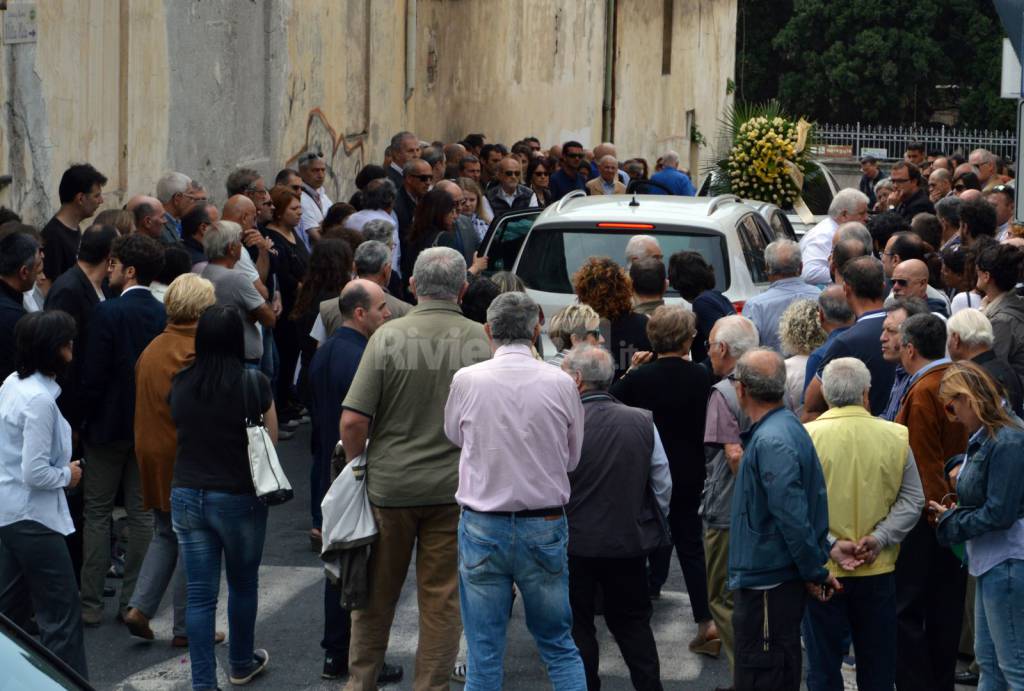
[140, 87]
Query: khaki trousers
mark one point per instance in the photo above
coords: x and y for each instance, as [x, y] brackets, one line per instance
[716, 557]
[433, 532]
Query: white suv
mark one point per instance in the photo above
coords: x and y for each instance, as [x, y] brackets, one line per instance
[545, 247]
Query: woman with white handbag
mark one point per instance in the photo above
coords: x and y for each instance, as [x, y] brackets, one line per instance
[215, 508]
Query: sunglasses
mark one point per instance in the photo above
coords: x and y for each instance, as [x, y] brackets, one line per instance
[903, 282]
[574, 155]
[511, 173]
[899, 181]
[422, 178]
[540, 173]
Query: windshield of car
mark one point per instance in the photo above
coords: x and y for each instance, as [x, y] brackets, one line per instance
[552, 255]
[24, 668]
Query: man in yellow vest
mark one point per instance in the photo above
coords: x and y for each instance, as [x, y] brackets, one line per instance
[874, 500]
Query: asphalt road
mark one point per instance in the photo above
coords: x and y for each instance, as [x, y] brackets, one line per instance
[290, 623]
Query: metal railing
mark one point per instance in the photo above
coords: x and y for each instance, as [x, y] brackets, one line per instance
[889, 143]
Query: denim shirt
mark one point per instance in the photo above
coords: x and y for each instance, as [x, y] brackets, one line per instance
[779, 523]
[990, 511]
[35, 448]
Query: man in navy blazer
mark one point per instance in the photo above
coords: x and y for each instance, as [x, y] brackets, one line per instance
[119, 330]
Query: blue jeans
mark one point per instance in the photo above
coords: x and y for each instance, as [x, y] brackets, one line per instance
[208, 525]
[999, 626]
[866, 609]
[495, 552]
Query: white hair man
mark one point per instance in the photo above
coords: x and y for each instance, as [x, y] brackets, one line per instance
[512, 490]
[671, 179]
[607, 149]
[607, 180]
[971, 338]
[783, 266]
[174, 192]
[874, 500]
[642, 247]
[315, 202]
[401, 385]
[815, 246]
[984, 162]
[725, 421]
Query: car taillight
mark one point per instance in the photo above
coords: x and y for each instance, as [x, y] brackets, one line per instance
[738, 305]
[627, 226]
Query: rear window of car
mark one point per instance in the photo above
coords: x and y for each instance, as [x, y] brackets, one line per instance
[552, 255]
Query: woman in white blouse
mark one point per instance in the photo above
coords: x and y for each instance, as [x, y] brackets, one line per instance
[35, 468]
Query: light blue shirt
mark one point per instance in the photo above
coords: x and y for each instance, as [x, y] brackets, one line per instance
[996, 546]
[766, 309]
[35, 450]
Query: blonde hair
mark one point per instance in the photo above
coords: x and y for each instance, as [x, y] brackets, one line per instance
[187, 298]
[122, 221]
[799, 329]
[574, 320]
[470, 185]
[984, 394]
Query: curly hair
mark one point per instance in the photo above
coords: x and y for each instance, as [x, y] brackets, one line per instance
[799, 329]
[602, 284]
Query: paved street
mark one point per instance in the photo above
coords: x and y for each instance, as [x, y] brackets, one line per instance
[291, 622]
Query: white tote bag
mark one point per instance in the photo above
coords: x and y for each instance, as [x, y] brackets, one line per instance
[268, 479]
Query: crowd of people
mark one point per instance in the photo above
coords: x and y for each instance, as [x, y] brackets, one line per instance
[833, 466]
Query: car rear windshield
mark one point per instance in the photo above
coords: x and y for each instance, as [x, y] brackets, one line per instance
[552, 255]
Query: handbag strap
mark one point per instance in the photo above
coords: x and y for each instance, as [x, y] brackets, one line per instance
[251, 391]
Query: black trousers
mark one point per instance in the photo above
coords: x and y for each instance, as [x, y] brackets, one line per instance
[768, 656]
[288, 339]
[931, 586]
[627, 611]
[688, 538]
[34, 560]
[337, 623]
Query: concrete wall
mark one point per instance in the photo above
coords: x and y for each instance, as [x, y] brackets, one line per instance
[139, 87]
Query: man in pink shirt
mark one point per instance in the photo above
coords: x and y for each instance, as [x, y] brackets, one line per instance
[519, 423]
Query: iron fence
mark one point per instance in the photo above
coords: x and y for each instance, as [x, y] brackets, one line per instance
[889, 143]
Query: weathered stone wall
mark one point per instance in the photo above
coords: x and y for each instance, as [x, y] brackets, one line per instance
[139, 87]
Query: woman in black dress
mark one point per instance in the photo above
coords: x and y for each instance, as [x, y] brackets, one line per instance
[605, 286]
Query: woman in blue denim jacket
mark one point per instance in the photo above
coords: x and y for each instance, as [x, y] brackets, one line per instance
[989, 517]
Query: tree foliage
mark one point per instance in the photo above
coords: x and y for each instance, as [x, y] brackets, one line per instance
[874, 61]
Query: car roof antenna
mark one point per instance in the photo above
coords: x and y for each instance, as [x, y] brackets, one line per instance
[634, 202]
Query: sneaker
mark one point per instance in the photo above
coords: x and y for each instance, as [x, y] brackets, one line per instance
[335, 667]
[138, 625]
[260, 658]
[390, 674]
[459, 673]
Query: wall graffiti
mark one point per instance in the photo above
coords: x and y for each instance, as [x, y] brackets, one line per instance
[344, 154]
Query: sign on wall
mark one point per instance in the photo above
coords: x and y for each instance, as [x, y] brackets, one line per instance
[20, 23]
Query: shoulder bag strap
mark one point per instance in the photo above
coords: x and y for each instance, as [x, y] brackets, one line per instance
[251, 391]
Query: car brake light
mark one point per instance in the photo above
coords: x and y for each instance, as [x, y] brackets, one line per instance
[738, 306]
[631, 226]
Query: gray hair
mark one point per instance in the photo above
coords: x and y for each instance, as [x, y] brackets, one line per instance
[608, 157]
[782, 258]
[220, 237]
[847, 200]
[396, 141]
[835, 308]
[431, 155]
[765, 386]
[972, 327]
[440, 273]
[171, 184]
[941, 174]
[738, 334]
[884, 183]
[308, 157]
[379, 194]
[855, 230]
[593, 364]
[371, 257]
[844, 381]
[670, 158]
[512, 318]
[636, 248]
[380, 230]
[948, 209]
[986, 155]
[410, 166]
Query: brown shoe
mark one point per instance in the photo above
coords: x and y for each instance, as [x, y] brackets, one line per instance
[706, 646]
[138, 625]
[91, 618]
[182, 641]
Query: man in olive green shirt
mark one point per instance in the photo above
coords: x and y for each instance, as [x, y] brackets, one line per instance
[397, 401]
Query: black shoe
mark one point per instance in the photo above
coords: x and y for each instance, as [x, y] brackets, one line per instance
[967, 678]
[335, 667]
[390, 674]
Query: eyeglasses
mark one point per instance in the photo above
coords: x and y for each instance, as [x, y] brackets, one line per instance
[899, 181]
[1002, 188]
[574, 155]
[422, 178]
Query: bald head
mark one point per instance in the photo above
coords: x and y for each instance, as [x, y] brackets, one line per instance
[363, 306]
[910, 279]
[762, 376]
[453, 190]
[141, 199]
[604, 149]
[149, 215]
[241, 210]
[969, 195]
